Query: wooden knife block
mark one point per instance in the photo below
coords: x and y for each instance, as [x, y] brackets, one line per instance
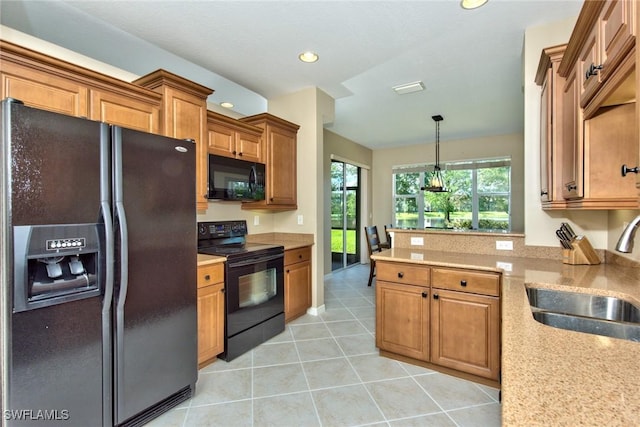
[581, 252]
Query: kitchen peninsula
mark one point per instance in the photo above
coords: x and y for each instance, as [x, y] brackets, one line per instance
[548, 376]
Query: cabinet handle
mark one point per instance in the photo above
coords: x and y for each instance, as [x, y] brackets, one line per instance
[544, 193]
[436, 296]
[424, 294]
[222, 290]
[207, 277]
[271, 199]
[400, 274]
[572, 187]
[300, 256]
[287, 271]
[234, 152]
[626, 170]
[463, 283]
[240, 154]
[592, 71]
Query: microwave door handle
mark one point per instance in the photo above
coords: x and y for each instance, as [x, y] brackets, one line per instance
[252, 179]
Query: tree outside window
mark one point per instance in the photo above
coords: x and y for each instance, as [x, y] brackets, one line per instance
[479, 196]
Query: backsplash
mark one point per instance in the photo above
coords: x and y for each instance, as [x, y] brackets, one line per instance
[477, 243]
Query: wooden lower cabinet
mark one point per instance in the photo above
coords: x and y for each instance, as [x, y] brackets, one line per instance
[210, 312]
[402, 319]
[465, 332]
[442, 318]
[297, 282]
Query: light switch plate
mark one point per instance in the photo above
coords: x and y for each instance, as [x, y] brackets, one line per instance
[256, 220]
[300, 220]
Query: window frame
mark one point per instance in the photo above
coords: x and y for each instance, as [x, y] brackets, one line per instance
[425, 170]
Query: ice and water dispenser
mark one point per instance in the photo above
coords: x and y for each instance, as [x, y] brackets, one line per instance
[54, 264]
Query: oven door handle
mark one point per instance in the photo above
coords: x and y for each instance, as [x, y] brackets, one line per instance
[250, 261]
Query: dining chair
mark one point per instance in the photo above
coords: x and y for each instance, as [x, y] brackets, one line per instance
[374, 245]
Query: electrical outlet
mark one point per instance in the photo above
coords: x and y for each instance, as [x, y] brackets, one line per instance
[506, 266]
[300, 220]
[504, 245]
[256, 220]
[417, 241]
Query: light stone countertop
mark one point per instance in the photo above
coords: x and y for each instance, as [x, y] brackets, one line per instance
[553, 376]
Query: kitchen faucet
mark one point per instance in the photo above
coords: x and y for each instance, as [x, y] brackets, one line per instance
[625, 242]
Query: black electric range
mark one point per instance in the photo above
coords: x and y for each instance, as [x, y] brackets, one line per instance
[228, 239]
[254, 285]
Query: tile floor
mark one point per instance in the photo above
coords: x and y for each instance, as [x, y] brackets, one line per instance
[325, 371]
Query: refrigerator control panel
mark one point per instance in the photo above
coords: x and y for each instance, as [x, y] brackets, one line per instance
[76, 242]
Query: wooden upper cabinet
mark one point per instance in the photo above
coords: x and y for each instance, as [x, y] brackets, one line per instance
[38, 89]
[602, 40]
[51, 84]
[126, 111]
[551, 127]
[599, 123]
[229, 137]
[280, 139]
[184, 112]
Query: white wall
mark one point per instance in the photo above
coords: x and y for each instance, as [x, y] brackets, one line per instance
[310, 108]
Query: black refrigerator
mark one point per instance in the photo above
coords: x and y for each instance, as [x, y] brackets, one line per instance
[98, 277]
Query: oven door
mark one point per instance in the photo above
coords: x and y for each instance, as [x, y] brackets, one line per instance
[254, 291]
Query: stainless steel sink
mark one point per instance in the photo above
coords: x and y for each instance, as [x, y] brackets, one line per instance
[579, 304]
[622, 330]
[592, 314]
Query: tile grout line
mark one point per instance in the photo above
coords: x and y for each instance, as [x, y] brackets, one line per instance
[384, 417]
[304, 373]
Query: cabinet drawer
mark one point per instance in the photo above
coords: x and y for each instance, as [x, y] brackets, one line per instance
[467, 281]
[297, 255]
[397, 272]
[210, 274]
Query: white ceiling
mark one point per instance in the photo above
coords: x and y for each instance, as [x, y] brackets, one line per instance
[469, 61]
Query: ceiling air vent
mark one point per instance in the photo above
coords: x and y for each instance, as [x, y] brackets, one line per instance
[409, 88]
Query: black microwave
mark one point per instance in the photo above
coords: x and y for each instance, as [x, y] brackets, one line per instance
[234, 179]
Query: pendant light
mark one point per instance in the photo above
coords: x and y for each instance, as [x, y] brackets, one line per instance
[436, 183]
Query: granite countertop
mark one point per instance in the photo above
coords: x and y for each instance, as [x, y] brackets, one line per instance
[553, 376]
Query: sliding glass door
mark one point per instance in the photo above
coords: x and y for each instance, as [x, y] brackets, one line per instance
[345, 215]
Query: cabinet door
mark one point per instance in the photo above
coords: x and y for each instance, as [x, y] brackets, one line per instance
[249, 147]
[210, 322]
[465, 332]
[43, 90]
[221, 140]
[571, 139]
[617, 33]
[185, 117]
[281, 175]
[589, 58]
[545, 138]
[402, 319]
[297, 290]
[124, 111]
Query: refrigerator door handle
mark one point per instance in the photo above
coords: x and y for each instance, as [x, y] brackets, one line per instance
[118, 197]
[109, 251]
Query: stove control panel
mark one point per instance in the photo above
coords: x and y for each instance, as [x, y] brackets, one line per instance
[221, 229]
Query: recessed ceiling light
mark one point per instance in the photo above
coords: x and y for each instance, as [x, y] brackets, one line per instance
[226, 104]
[472, 4]
[409, 87]
[308, 57]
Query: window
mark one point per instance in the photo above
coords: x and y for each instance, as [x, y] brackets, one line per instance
[479, 196]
